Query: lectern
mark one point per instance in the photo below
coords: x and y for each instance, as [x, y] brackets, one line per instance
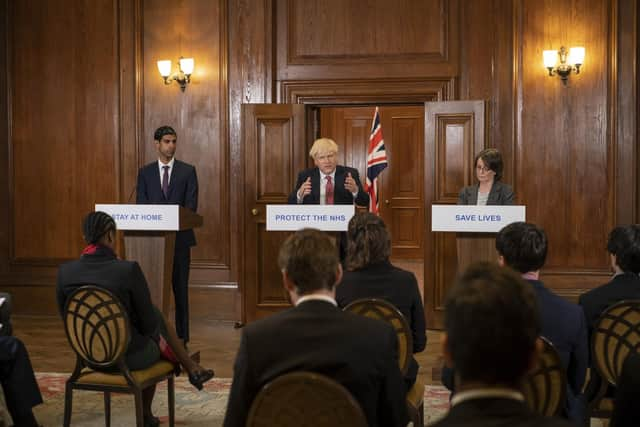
[149, 239]
[475, 227]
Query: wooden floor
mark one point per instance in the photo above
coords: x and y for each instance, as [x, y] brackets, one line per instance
[217, 341]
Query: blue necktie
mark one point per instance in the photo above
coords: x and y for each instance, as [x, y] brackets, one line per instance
[165, 182]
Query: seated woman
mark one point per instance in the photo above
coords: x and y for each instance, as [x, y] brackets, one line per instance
[99, 266]
[370, 275]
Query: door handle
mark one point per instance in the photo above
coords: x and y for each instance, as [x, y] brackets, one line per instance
[255, 211]
[386, 202]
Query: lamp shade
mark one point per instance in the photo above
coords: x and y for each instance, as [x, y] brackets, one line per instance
[186, 65]
[550, 57]
[164, 67]
[576, 55]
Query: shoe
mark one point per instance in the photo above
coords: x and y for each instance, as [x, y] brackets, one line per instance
[151, 421]
[198, 378]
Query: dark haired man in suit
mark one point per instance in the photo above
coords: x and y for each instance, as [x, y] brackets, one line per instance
[168, 181]
[523, 247]
[315, 335]
[492, 326]
[624, 254]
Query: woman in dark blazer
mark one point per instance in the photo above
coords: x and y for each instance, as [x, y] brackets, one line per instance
[489, 190]
[370, 275]
[151, 339]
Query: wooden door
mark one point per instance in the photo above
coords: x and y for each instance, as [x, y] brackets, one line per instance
[454, 133]
[400, 185]
[274, 150]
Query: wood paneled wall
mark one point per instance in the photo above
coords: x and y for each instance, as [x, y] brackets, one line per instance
[83, 97]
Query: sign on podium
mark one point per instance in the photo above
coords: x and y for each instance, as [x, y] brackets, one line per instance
[296, 217]
[476, 228]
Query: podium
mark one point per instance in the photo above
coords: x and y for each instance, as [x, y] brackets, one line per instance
[475, 228]
[149, 239]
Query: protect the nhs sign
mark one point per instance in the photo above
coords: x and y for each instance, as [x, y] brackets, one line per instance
[473, 218]
[143, 217]
[321, 217]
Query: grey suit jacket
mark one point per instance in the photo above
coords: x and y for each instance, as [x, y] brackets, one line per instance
[500, 194]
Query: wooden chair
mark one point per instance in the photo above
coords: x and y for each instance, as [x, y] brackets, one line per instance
[545, 387]
[383, 310]
[97, 327]
[305, 399]
[616, 334]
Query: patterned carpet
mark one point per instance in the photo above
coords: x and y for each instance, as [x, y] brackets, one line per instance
[193, 408]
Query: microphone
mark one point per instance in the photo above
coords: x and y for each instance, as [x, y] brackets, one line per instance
[133, 190]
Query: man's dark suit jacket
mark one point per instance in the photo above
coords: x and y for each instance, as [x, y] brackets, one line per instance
[341, 196]
[564, 324]
[125, 280]
[357, 352]
[495, 412]
[626, 411]
[392, 284]
[500, 194]
[183, 191]
[621, 287]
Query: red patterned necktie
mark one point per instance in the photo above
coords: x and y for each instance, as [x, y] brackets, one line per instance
[328, 194]
[165, 181]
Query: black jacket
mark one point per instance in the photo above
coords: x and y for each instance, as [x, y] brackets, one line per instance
[500, 194]
[357, 352]
[341, 196]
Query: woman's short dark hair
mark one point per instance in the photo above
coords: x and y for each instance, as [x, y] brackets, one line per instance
[96, 225]
[368, 241]
[492, 159]
[310, 259]
[523, 246]
[492, 323]
[624, 243]
[162, 131]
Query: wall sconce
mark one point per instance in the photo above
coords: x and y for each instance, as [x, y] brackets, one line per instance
[182, 76]
[568, 62]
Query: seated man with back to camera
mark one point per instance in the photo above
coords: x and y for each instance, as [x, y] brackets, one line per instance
[150, 331]
[523, 247]
[624, 254]
[491, 340]
[315, 335]
[370, 274]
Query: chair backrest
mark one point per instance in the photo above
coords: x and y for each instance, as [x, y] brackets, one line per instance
[615, 335]
[383, 310]
[545, 387]
[97, 326]
[305, 399]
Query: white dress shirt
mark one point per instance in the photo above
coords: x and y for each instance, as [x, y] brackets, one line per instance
[161, 165]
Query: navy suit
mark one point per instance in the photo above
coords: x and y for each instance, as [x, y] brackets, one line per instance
[183, 191]
[564, 324]
[622, 287]
[341, 196]
[358, 352]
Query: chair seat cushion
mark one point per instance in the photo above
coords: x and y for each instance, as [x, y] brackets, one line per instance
[415, 396]
[159, 369]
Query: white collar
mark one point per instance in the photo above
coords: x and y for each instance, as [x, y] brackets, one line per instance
[316, 297]
[323, 176]
[170, 164]
[483, 393]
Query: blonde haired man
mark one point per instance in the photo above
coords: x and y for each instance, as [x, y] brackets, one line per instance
[328, 183]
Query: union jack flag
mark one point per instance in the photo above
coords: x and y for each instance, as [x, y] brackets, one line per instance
[376, 162]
